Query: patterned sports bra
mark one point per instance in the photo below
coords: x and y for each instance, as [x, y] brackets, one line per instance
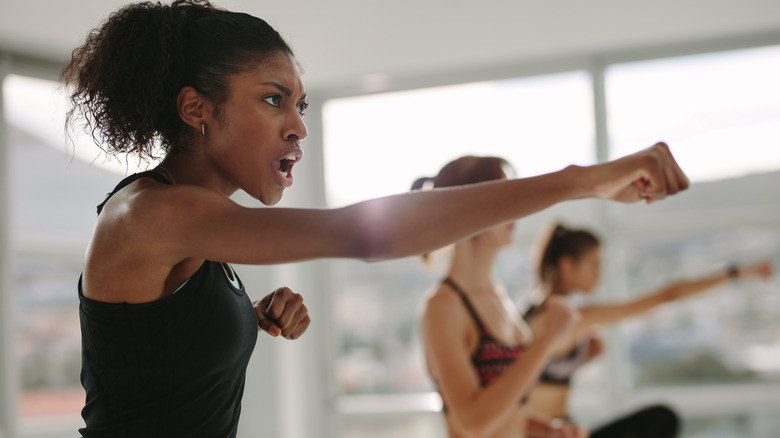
[491, 357]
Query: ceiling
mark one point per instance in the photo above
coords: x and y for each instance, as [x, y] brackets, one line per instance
[341, 42]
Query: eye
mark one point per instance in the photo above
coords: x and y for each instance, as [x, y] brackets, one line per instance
[302, 108]
[274, 100]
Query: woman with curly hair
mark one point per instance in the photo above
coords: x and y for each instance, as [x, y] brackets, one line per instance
[167, 327]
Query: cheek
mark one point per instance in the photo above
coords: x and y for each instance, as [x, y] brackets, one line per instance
[583, 277]
[593, 279]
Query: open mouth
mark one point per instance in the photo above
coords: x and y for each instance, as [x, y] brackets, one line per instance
[286, 163]
[285, 166]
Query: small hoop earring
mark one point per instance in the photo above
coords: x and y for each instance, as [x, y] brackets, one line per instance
[203, 129]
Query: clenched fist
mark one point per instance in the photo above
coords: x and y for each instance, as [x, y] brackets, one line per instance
[282, 312]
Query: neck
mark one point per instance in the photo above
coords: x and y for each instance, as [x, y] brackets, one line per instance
[472, 266]
[188, 168]
[556, 289]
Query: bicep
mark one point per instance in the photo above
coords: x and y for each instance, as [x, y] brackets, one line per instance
[198, 223]
[444, 332]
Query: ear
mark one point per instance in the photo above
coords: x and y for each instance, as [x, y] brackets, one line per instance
[565, 265]
[192, 107]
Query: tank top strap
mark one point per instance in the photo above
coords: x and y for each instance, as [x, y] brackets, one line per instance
[451, 283]
[157, 176]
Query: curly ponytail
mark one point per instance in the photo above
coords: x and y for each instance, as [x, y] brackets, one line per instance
[129, 71]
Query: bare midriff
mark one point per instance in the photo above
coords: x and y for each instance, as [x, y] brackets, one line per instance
[550, 399]
[513, 427]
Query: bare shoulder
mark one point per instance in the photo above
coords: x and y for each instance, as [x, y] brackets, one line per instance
[156, 213]
[147, 198]
[440, 299]
[443, 310]
[136, 241]
[449, 336]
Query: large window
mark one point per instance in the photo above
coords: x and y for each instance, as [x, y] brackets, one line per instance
[378, 145]
[52, 209]
[724, 336]
[720, 112]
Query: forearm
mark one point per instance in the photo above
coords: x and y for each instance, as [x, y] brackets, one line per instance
[683, 289]
[675, 291]
[414, 223]
[490, 406]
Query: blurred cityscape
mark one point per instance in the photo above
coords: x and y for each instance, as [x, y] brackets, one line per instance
[730, 334]
[50, 231]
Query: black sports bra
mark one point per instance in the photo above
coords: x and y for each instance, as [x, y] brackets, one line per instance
[559, 370]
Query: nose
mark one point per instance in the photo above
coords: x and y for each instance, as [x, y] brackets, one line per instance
[296, 128]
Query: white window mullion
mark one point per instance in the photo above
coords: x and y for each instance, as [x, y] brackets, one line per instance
[8, 374]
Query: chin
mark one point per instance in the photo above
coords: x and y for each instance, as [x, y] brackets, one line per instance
[273, 199]
[268, 199]
[270, 202]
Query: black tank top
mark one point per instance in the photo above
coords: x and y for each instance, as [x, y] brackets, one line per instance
[170, 368]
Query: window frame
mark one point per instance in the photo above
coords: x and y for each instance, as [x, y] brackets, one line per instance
[18, 64]
[619, 391]
[315, 396]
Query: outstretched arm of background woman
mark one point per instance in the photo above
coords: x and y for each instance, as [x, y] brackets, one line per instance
[674, 291]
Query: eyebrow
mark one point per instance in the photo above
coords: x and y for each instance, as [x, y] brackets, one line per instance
[287, 91]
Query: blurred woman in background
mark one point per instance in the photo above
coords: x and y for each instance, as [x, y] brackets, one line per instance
[570, 262]
[482, 356]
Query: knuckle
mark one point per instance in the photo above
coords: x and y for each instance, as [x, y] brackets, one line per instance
[274, 312]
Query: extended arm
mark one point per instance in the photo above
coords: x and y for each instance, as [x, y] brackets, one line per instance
[675, 291]
[158, 229]
[391, 227]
